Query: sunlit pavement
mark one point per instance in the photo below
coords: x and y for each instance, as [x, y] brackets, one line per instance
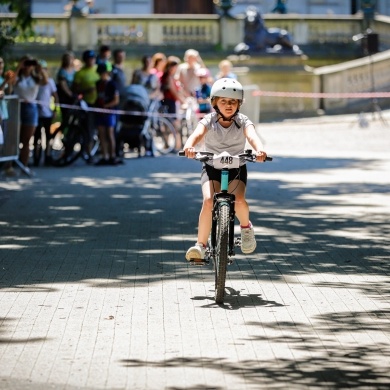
[95, 292]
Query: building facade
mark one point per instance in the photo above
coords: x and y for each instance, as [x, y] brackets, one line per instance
[345, 7]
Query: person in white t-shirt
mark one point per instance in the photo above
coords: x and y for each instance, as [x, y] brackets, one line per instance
[187, 72]
[225, 129]
[47, 95]
[29, 76]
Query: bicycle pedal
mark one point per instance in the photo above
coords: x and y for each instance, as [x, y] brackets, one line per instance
[199, 262]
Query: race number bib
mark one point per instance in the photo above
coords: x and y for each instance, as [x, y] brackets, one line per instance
[225, 160]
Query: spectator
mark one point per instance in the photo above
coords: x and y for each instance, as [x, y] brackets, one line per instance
[3, 86]
[186, 72]
[170, 87]
[118, 74]
[85, 79]
[280, 7]
[225, 70]
[172, 94]
[84, 83]
[29, 76]
[65, 77]
[158, 61]
[144, 76]
[45, 116]
[203, 93]
[73, 9]
[89, 8]
[104, 56]
[7, 148]
[107, 98]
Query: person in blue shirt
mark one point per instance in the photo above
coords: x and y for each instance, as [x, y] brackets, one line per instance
[203, 92]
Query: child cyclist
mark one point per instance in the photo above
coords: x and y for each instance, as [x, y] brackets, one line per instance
[226, 129]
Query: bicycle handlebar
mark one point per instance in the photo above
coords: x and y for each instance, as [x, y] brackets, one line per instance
[205, 156]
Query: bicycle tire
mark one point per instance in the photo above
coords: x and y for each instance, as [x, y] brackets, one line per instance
[164, 135]
[66, 146]
[221, 252]
[94, 146]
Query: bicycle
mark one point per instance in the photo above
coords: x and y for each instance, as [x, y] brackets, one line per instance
[73, 140]
[188, 118]
[221, 244]
[158, 130]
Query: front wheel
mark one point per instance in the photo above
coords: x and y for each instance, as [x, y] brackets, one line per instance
[221, 252]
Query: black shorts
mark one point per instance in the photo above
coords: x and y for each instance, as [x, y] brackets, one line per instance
[211, 173]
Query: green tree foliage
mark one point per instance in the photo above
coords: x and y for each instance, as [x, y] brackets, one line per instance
[19, 26]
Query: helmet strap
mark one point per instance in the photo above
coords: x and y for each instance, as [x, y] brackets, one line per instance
[223, 117]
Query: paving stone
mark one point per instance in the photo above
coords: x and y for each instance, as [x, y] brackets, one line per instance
[95, 292]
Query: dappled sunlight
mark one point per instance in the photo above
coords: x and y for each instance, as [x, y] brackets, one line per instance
[295, 203]
[98, 183]
[16, 238]
[12, 246]
[65, 208]
[156, 211]
[152, 196]
[154, 251]
[12, 185]
[120, 196]
[357, 234]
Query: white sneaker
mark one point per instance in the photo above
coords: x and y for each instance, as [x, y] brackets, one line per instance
[248, 241]
[197, 251]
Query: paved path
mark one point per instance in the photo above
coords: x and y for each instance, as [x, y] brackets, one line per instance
[95, 292]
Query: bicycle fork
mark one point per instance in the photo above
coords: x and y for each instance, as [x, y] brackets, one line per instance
[224, 198]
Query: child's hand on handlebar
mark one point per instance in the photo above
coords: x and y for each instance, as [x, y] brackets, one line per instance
[190, 152]
[261, 156]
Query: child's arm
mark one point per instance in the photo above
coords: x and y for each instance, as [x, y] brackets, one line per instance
[194, 139]
[255, 141]
[114, 102]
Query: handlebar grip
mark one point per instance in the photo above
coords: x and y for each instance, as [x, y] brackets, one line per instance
[268, 158]
[181, 153]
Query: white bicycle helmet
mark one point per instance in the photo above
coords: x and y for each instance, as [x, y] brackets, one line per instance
[227, 88]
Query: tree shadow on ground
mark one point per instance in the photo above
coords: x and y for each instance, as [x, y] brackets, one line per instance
[235, 300]
[134, 229]
[131, 229]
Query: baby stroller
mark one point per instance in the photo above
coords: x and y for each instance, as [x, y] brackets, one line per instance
[132, 123]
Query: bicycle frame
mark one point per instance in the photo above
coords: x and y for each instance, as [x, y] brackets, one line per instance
[226, 198]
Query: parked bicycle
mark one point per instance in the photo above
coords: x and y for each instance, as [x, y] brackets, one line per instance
[189, 119]
[74, 139]
[221, 244]
[144, 129]
[160, 130]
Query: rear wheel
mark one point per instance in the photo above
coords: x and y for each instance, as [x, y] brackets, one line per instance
[163, 134]
[221, 252]
[66, 145]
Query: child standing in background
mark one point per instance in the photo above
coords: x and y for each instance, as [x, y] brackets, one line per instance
[203, 93]
[107, 98]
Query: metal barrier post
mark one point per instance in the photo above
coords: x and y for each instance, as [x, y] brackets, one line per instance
[9, 150]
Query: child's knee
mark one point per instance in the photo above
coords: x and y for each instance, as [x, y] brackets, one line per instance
[208, 203]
